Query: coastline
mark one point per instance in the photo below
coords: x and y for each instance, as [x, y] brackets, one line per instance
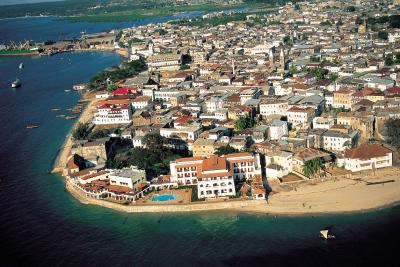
[327, 197]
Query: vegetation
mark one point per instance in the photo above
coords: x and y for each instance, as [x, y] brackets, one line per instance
[335, 111]
[244, 123]
[332, 76]
[394, 20]
[195, 198]
[350, 9]
[393, 132]
[383, 35]
[312, 167]
[214, 21]
[389, 60]
[318, 73]
[81, 132]
[128, 69]
[224, 150]
[184, 67]
[155, 158]
[326, 23]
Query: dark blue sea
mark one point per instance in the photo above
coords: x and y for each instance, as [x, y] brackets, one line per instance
[42, 225]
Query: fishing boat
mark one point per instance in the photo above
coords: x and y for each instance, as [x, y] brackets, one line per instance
[15, 84]
[21, 66]
[70, 117]
[32, 126]
[326, 234]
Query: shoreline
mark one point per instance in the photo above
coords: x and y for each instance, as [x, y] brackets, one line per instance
[327, 197]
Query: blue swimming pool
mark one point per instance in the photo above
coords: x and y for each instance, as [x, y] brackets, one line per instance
[165, 197]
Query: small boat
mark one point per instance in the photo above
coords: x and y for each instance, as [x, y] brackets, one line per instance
[326, 234]
[70, 117]
[32, 126]
[60, 116]
[16, 83]
[55, 109]
[21, 66]
[67, 90]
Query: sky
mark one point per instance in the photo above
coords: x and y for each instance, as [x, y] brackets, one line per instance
[11, 2]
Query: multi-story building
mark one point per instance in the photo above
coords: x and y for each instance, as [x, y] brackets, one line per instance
[130, 177]
[342, 98]
[113, 112]
[277, 130]
[367, 157]
[273, 107]
[323, 123]
[298, 116]
[215, 175]
[203, 147]
[164, 61]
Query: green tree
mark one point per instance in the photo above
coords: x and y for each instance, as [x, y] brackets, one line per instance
[389, 60]
[286, 39]
[350, 9]
[223, 150]
[111, 88]
[332, 76]
[318, 73]
[244, 123]
[311, 167]
[383, 35]
[184, 67]
[393, 132]
[81, 131]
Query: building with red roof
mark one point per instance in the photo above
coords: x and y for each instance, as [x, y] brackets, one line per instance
[367, 157]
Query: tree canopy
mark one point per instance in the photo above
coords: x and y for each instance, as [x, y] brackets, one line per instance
[312, 167]
[244, 123]
[223, 150]
[81, 132]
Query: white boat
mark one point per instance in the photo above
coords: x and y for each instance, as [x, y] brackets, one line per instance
[325, 234]
[16, 83]
[21, 66]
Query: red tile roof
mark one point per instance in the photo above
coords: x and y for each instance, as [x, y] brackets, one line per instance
[367, 151]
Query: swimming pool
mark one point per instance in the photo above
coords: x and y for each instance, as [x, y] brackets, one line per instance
[165, 197]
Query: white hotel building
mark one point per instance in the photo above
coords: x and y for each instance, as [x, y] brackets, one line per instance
[215, 176]
[113, 114]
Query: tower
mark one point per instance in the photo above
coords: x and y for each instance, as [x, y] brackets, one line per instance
[362, 29]
[282, 62]
[271, 57]
[151, 48]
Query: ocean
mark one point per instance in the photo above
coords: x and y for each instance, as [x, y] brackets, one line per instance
[42, 225]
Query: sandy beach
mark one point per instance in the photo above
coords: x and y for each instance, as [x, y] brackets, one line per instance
[85, 116]
[331, 196]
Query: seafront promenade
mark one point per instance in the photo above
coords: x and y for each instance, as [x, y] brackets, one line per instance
[329, 196]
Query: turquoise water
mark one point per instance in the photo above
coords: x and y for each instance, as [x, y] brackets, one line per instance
[165, 197]
[42, 225]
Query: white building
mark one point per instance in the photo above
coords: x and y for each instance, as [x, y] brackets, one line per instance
[215, 176]
[277, 130]
[273, 107]
[337, 141]
[323, 123]
[300, 116]
[129, 177]
[141, 102]
[113, 113]
[367, 157]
